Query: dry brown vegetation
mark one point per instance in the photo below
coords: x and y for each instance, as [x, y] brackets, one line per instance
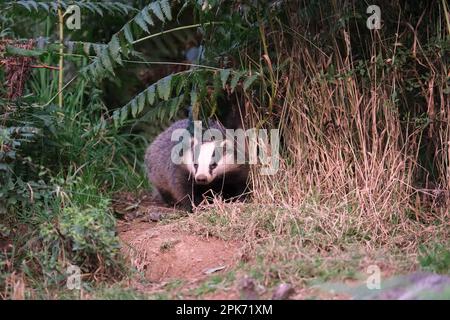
[364, 150]
[364, 175]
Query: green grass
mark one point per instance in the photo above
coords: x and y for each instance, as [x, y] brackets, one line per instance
[59, 205]
[435, 257]
[358, 150]
[214, 283]
[117, 292]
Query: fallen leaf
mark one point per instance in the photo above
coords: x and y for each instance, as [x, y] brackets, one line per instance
[212, 270]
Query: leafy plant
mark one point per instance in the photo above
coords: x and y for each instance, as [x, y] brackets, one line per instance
[89, 233]
[435, 258]
[96, 7]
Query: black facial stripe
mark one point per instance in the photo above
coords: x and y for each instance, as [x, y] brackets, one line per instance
[195, 156]
[218, 154]
[213, 161]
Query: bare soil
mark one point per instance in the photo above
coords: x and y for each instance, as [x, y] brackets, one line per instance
[163, 254]
[178, 264]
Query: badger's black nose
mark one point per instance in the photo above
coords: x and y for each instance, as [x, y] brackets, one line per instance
[201, 179]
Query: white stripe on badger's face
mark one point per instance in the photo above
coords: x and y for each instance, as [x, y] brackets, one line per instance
[210, 161]
[204, 173]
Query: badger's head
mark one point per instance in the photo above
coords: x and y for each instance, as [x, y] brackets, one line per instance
[207, 160]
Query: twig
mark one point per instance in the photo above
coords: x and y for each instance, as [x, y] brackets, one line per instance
[2, 62]
[61, 54]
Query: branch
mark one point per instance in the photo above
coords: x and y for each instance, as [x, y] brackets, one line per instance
[41, 66]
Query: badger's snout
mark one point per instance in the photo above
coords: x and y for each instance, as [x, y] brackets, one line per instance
[201, 179]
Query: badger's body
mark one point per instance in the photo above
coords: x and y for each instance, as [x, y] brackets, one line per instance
[187, 183]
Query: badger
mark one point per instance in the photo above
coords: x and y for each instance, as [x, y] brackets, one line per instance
[205, 168]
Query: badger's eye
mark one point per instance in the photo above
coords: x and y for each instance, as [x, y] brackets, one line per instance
[213, 165]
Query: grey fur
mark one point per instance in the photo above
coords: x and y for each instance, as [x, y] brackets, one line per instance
[174, 184]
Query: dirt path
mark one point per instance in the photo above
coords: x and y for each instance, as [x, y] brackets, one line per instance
[164, 253]
[166, 256]
[173, 263]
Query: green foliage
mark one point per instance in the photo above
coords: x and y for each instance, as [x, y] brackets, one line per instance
[14, 191]
[59, 166]
[170, 94]
[172, 91]
[56, 179]
[95, 7]
[435, 258]
[89, 233]
[116, 292]
[56, 203]
[121, 43]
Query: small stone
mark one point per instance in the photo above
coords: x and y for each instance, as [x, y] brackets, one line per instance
[212, 270]
[283, 292]
[248, 289]
[154, 216]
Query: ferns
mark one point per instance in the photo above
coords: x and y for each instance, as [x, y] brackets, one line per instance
[121, 43]
[100, 7]
[167, 95]
[51, 7]
[154, 94]
[170, 93]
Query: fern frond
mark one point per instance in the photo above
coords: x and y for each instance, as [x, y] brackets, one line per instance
[122, 42]
[45, 46]
[101, 7]
[165, 110]
[170, 94]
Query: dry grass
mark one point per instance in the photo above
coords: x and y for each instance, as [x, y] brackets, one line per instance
[364, 118]
[366, 155]
[15, 287]
[369, 151]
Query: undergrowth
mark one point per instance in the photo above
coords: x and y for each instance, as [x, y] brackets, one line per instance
[363, 117]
